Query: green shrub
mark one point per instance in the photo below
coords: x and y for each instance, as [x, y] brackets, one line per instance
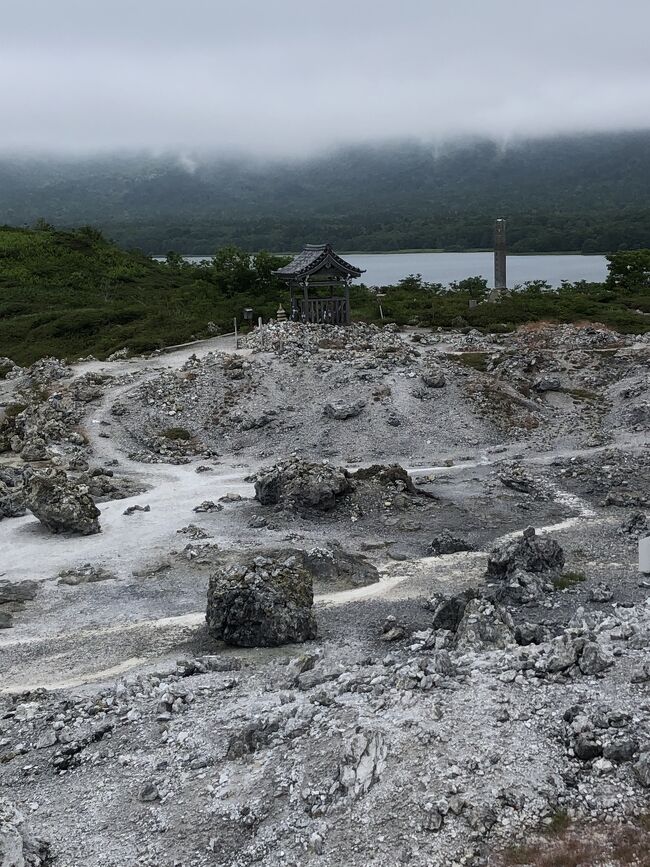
[475, 360]
[176, 433]
[14, 409]
[568, 579]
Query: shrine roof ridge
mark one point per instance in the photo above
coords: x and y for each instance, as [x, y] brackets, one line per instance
[312, 258]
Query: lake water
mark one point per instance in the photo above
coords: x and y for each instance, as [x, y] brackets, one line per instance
[385, 269]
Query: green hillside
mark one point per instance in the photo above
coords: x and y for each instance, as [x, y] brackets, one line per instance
[585, 193]
[72, 293]
[69, 294]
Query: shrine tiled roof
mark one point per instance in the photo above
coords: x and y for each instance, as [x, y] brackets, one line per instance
[313, 258]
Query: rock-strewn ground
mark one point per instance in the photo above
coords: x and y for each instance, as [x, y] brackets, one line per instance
[452, 705]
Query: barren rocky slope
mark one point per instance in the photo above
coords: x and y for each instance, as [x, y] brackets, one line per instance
[469, 685]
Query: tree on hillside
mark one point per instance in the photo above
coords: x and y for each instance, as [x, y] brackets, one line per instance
[629, 271]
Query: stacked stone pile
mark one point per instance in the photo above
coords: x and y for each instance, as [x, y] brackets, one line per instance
[301, 341]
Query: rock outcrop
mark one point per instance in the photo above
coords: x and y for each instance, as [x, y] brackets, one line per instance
[528, 552]
[19, 847]
[12, 495]
[333, 565]
[60, 505]
[524, 567]
[484, 626]
[264, 602]
[299, 484]
[343, 409]
[446, 543]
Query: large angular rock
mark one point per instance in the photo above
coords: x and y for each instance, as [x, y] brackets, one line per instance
[300, 484]
[433, 377]
[528, 552]
[642, 769]
[60, 505]
[344, 409]
[362, 764]
[17, 593]
[635, 525]
[19, 847]
[593, 659]
[563, 654]
[547, 383]
[392, 476]
[264, 602]
[12, 501]
[484, 626]
[448, 611]
[34, 449]
[334, 565]
[446, 543]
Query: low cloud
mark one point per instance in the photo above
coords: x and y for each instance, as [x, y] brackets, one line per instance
[288, 77]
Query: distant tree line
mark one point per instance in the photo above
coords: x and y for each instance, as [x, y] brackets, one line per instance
[70, 293]
[586, 194]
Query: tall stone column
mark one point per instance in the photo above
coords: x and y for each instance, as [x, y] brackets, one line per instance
[500, 279]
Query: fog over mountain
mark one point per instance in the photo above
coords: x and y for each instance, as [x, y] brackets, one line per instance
[291, 77]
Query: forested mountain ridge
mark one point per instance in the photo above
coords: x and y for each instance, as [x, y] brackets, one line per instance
[587, 193]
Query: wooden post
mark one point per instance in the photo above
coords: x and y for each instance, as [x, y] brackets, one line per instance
[236, 337]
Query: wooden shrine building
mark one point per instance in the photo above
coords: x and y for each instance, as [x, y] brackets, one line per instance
[319, 284]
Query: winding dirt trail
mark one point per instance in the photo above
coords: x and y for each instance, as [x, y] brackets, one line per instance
[126, 543]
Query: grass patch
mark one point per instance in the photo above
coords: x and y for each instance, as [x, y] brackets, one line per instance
[72, 293]
[474, 360]
[177, 433]
[560, 820]
[570, 845]
[583, 394]
[14, 409]
[568, 579]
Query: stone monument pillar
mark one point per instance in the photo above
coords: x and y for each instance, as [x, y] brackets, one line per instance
[500, 280]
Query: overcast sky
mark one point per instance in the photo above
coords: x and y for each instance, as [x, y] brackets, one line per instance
[292, 76]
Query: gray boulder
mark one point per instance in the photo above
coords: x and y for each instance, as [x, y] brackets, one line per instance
[593, 659]
[334, 565]
[300, 484]
[34, 449]
[23, 591]
[19, 847]
[524, 567]
[12, 501]
[586, 747]
[547, 383]
[433, 377]
[484, 626]
[446, 543]
[344, 409]
[263, 602]
[448, 611]
[635, 525]
[621, 750]
[529, 553]
[60, 505]
[642, 769]
[563, 655]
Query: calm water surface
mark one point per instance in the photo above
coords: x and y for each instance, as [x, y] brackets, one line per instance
[385, 269]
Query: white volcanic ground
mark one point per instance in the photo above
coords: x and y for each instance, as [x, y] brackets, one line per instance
[349, 749]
